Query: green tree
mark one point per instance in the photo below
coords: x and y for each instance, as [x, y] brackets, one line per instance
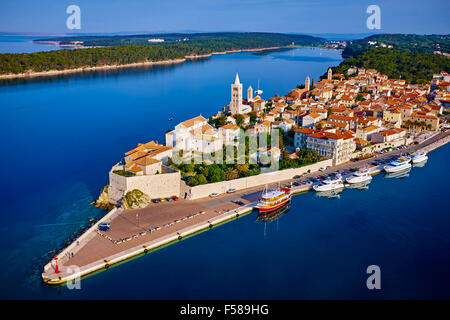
[232, 174]
[192, 181]
[239, 120]
[201, 179]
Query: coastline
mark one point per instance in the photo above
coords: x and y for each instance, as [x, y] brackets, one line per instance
[49, 73]
[83, 69]
[173, 235]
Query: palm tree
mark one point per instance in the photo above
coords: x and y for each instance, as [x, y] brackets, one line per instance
[408, 124]
[423, 125]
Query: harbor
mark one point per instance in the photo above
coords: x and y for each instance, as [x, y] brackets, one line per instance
[139, 231]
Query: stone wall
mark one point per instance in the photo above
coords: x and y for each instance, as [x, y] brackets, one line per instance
[205, 190]
[161, 185]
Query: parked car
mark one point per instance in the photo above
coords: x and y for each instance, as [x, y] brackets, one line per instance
[175, 198]
[162, 199]
[213, 195]
[155, 200]
[239, 203]
[322, 169]
[296, 183]
[104, 226]
[296, 177]
[231, 190]
[169, 199]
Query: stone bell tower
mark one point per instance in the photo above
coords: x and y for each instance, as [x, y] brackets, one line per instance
[236, 96]
[249, 93]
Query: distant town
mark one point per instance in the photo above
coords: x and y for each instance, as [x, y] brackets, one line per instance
[342, 117]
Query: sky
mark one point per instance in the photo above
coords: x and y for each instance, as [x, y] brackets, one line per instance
[296, 16]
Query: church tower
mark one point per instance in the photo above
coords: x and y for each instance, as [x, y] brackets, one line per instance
[249, 94]
[236, 96]
[330, 74]
[307, 84]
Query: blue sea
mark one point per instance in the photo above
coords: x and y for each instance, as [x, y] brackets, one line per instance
[22, 43]
[61, 135]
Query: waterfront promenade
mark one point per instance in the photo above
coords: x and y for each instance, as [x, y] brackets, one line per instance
[172, 221]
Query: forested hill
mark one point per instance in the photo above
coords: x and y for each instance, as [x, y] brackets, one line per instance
[216, 40]
[409, 42]
[125, 53]
[413, 66]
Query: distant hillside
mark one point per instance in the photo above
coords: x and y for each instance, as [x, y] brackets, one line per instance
[230, 40]
[409, 42]
[123, 50]
[413, 66]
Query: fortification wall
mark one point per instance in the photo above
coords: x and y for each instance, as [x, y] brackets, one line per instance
[248, 182]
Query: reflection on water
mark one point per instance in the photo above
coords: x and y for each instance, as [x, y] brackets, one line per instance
[134, 71]
[273, 215]
[330, 194]
[359, 186]
[398, 175]
[420, 164]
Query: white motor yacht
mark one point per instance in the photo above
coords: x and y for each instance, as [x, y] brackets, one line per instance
[329, 184]
[400, 164]
[420, 157]
[359, 177]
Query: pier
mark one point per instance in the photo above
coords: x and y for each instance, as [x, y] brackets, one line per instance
[139, 231]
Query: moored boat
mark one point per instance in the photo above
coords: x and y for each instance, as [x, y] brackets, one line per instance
[420, 157]
[402, 163]
[329, 184]
[273, 199]
[359, 177]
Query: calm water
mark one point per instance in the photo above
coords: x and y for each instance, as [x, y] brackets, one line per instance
[20, 44]
[60, 137]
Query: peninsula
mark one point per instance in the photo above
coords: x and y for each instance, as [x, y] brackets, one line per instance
[198, 178]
